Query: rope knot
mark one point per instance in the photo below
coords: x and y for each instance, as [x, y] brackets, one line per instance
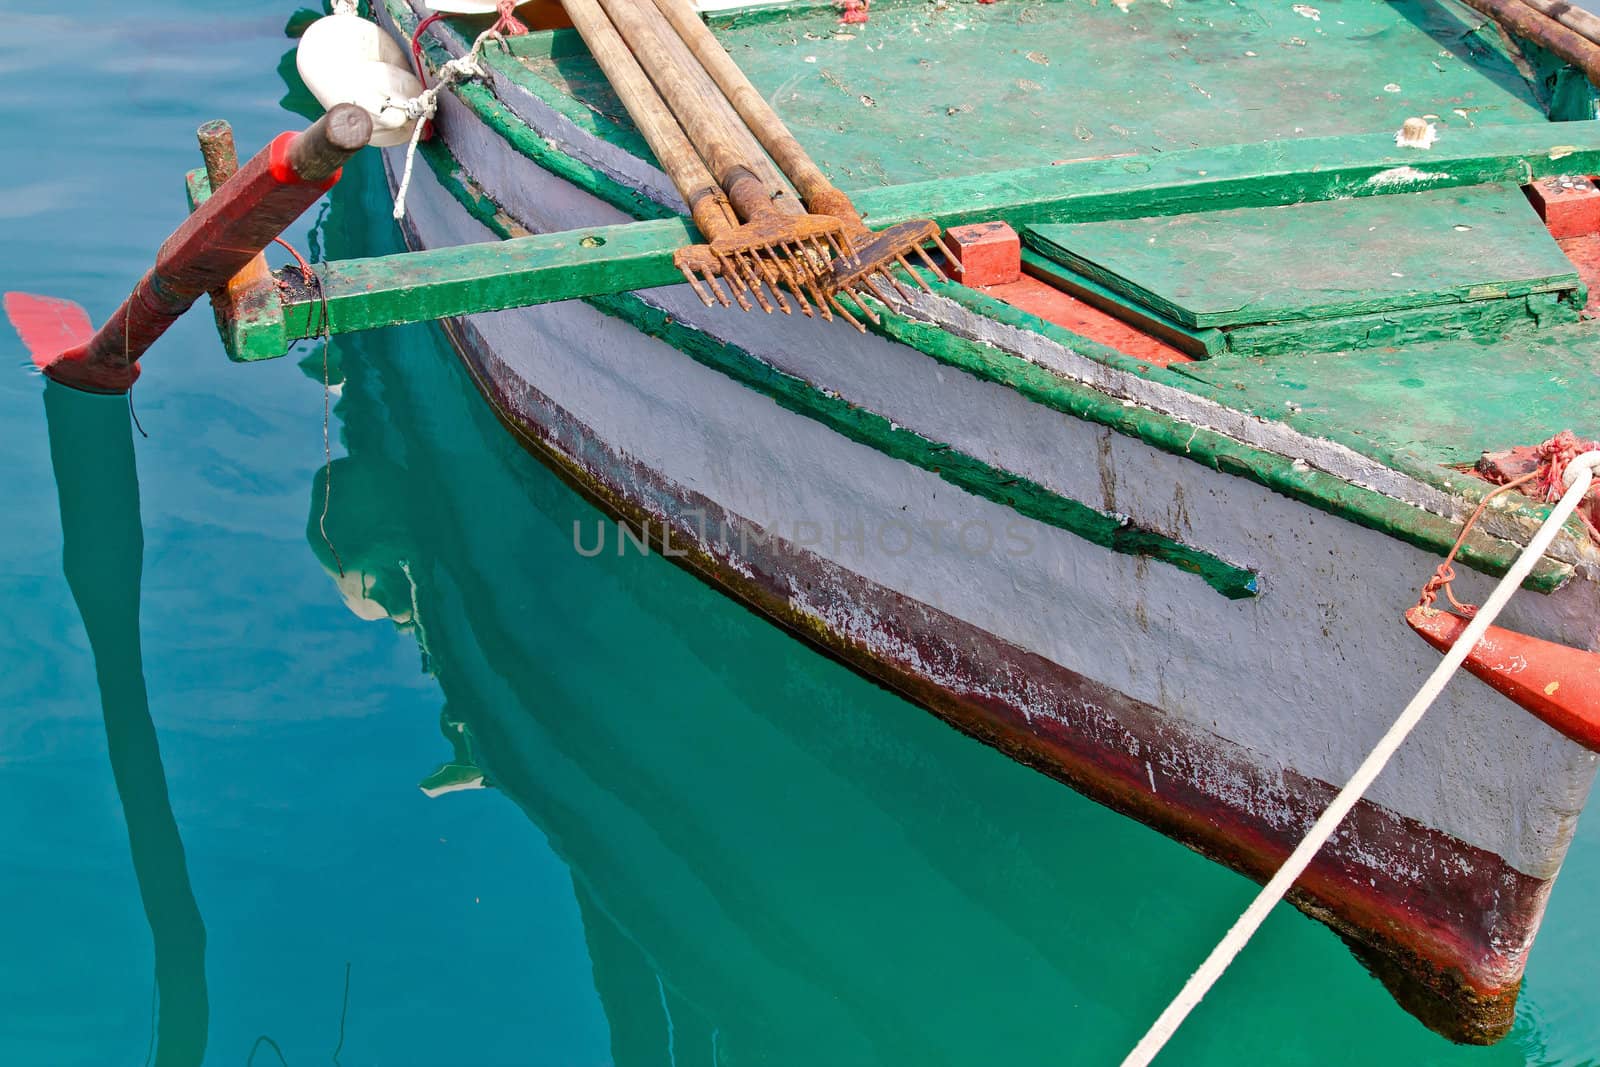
[1554, 455]
[508, 23]
[1546, 481]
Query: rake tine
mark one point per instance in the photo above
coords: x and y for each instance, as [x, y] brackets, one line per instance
[905, 294]
[699, 290]
[735, 283]
[851, 319]
[716, 290]
[821, 301]
[752, 281]
[950, 261]
[913, 272]
[766, 272]
[771, 272]
[866, 310]
[937, 273]
[778, 295]
[793, 283]
[805, 253]
[873, 287]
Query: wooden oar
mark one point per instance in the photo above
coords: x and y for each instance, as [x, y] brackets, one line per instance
[872, 253]
[773, 246]
[708, 206]
[210, 247]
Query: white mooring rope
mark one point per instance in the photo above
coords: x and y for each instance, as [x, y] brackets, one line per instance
[1580, 473]
[423, 107]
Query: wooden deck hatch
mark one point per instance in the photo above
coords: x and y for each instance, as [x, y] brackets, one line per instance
[1332, 275]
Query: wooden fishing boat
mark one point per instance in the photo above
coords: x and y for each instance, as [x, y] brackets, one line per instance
[1147, 516]
[1248, 294]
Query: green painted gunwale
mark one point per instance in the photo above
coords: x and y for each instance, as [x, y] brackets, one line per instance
[1177, 182]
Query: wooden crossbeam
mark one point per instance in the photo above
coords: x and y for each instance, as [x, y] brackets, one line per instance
[420, 286]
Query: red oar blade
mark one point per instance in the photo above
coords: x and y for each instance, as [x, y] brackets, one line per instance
[49, 327]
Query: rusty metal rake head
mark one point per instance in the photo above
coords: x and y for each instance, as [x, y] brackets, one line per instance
[871, 261]
[771, 253]
[816, 258]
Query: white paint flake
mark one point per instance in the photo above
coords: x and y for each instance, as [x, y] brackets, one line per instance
[1394, 176]
[1308, 12]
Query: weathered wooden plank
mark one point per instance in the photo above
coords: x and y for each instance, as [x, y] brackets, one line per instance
[1201, 344]
[363, 294]
[1326, 260]
[1242, 175]
[1480, 320]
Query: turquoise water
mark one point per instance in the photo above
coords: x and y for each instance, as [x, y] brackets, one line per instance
[703, 843]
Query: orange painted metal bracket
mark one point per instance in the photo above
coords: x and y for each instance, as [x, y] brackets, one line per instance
[1559, 684]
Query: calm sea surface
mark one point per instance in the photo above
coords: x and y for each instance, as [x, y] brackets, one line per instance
[702, 843]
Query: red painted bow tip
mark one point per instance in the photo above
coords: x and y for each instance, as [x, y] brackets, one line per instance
[1559, 684]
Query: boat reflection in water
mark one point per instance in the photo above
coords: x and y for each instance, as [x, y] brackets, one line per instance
[774, 860]
[97, 484]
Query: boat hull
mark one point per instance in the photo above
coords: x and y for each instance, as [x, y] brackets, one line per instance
[1225, 724]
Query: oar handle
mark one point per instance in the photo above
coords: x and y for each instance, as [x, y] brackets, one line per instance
[230, 229]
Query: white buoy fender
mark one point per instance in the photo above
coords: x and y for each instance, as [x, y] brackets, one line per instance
[345, 59]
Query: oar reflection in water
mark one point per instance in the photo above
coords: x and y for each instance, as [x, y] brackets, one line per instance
[97, 483]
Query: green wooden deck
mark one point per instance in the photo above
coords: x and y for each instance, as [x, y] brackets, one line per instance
[925, 90]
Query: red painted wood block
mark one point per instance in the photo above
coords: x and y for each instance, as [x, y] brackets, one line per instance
[1569, 206]
[990, 253]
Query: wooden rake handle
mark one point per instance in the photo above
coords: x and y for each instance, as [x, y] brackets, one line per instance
[707, 205]
[819, 193]
[734, 157]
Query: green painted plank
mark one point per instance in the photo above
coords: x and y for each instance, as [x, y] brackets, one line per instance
[966, 472]
[1259, 174]
[364, 294]
[1201, 344]
[1220, 452]
[1484, 321]
[1333, 259]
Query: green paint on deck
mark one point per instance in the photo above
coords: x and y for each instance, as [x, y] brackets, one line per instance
[1319, 261]
[877, 104]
